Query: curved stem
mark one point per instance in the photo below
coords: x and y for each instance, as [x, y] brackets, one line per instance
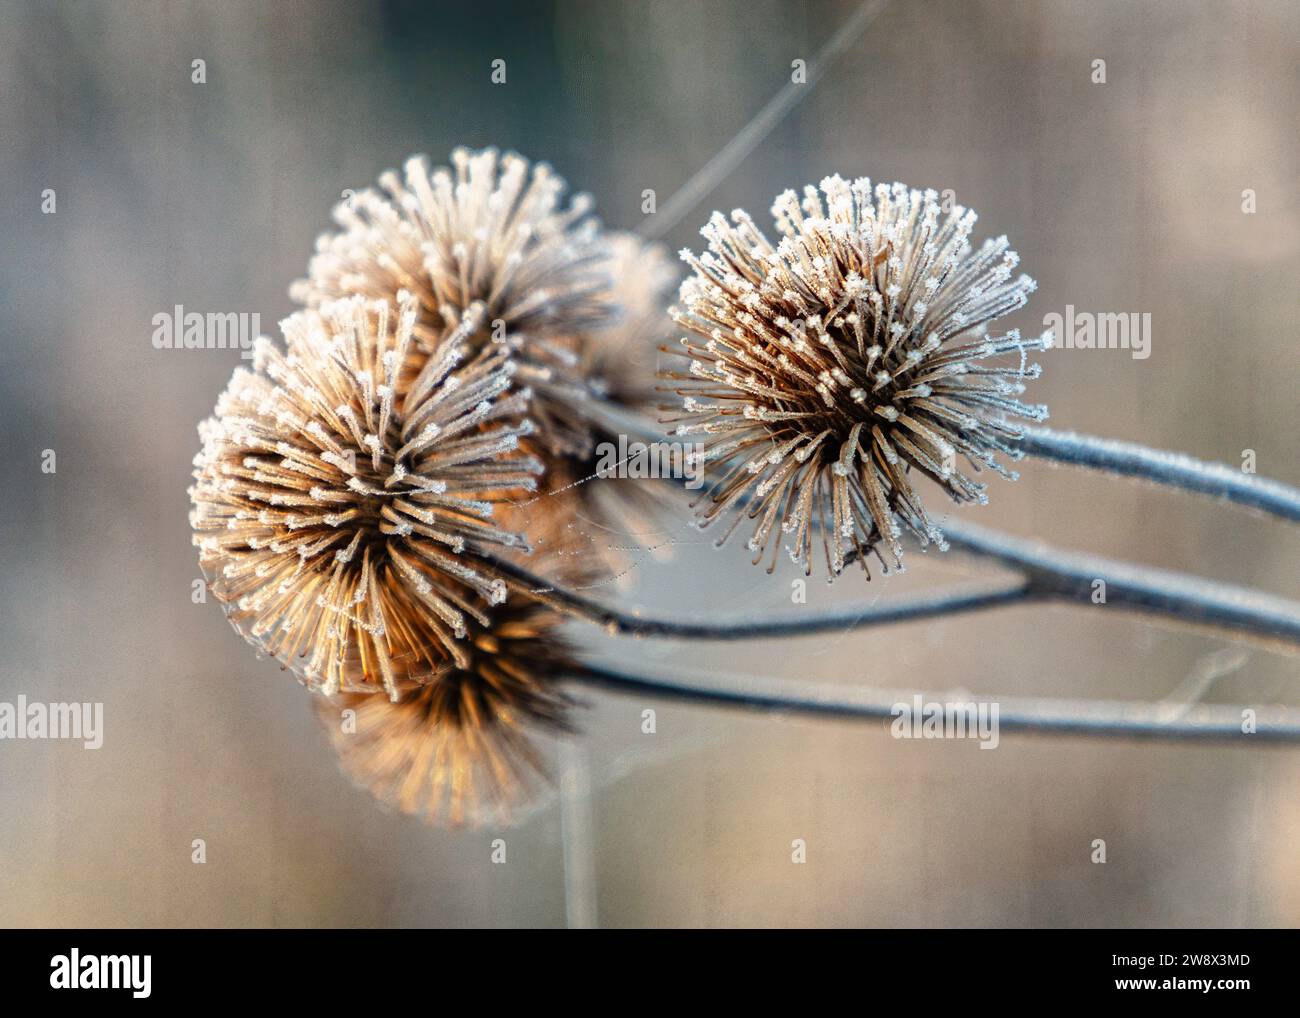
[1237, 612]
[1050, 572]
[1169, 468]
[1049, 575]
[1081, 717]
[838, 619]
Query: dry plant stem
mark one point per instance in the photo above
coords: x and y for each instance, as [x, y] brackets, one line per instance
[1053, 574]
[1049, 575]
[1168, 468]
[1030, 714]
[839, 619]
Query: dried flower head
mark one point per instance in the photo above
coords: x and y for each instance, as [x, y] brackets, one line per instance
[829, 371]
[344, 494]
[489, 230]
[464, 749]
[582, 310]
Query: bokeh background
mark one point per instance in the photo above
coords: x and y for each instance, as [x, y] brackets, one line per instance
[1120, 197]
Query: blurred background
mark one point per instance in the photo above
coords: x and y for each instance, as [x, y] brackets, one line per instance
[1123, 196]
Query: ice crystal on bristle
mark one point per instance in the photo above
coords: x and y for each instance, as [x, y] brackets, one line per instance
[463, 749]
[345, 489]
[828, 371]
[489, 230]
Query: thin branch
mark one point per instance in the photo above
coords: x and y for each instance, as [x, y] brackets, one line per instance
[1169, 468]
[1229, 610]
[1042, 715]
[839, 619]
[734, 152]
[1050, 575]
[1053, 574]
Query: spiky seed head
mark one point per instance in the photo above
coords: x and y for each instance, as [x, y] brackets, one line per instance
[830, 370]
[344, 494]
[582, 310]
[491, 229]
[467, 748]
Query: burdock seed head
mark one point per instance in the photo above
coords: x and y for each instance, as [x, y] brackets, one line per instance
[489, 230]
[575, 305]
[464, 749]
[344, 494]
[829, 371]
